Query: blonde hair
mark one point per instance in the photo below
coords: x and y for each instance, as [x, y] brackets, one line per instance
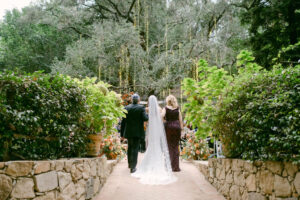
[172, 101]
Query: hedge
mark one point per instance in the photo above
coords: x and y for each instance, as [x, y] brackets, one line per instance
[259, 117]
[49, 116]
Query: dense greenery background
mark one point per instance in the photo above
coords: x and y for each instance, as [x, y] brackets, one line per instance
[146, 46]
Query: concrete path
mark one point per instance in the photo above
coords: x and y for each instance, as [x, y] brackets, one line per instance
[191, 185]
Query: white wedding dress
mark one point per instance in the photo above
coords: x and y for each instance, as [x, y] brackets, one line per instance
[155, 168]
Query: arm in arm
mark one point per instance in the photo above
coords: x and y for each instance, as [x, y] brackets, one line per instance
[180, 120]
[144, 115]
[163, 113]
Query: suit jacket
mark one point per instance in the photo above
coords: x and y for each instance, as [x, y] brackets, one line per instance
[133, 125]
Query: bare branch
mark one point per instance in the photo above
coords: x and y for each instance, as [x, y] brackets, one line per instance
[130, 9]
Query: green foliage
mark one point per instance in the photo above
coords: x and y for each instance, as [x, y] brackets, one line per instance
[255, 112]
[30, 46]
[203, 95]
[49, 117]
[104, 106]
[41, 116]
[142, 46]
[272, 25]
[259, 117]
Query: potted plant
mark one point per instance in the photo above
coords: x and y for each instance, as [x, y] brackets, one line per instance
[104, 110]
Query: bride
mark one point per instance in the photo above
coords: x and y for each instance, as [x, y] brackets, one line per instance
[155, 168]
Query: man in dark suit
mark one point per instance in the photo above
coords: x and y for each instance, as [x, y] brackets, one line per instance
[132, 128]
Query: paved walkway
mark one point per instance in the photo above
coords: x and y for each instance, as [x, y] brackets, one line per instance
[191, 185]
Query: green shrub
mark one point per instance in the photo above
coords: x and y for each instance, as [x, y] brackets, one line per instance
[259, 117]
[41, 117]
[104, 106]
[202, 96]
[255, 112]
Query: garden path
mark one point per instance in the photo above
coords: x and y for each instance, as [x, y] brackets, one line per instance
[191, 185]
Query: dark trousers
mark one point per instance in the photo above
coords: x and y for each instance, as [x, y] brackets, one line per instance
[142, 145]
[132, 151]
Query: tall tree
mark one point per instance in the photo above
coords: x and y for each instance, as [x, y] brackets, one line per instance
[28, 45]
[146, 46]
[273, 25]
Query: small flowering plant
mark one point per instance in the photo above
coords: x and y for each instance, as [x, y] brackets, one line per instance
[127, 98]
[112, 147]
[194, 149]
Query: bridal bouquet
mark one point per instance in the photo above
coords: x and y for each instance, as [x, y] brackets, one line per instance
[112, 148]
[194, 149]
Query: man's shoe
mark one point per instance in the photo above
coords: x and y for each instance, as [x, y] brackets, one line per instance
[132, 170]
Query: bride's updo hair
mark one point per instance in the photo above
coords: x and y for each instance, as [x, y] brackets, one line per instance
[172, 101]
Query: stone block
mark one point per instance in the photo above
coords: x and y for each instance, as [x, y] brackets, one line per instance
[80, 167]
[275, 167]
[52, 165]
[238, 178]
[249, 167]
[24, 189]
[64, 179]
[251, 183]
[220, 173]
[297, 183]
[256, 196]
[284, 173]
[229, 178]
[96, 185]
[76, 172]
[227, 163]
[236, 165]
[82, 198]
[2, 165]
[212, 162]
[68, 165]
[60, 164]
[5, 186]
[93, 169]
[80, 188]
[41, 166]
[291, 168]
[258, 163]
[86, 170]
[235, 193]
[266, 180]
[47, 196]
[69, 193]
[103, 168]
[89, 188]
[46, 181]
[224, 189]
[245, 196]
[211, 172]
[19, 168]
[282, 187]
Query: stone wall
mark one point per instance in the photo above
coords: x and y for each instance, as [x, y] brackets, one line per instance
[70, 179]
[243, 180]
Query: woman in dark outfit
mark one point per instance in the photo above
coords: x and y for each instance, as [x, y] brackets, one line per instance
[173, 127]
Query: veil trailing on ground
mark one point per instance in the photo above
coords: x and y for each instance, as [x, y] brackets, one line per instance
[155, 168]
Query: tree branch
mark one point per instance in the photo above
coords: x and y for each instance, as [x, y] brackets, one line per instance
[130, 9]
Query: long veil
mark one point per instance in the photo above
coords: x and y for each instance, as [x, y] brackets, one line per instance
[155, 168]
